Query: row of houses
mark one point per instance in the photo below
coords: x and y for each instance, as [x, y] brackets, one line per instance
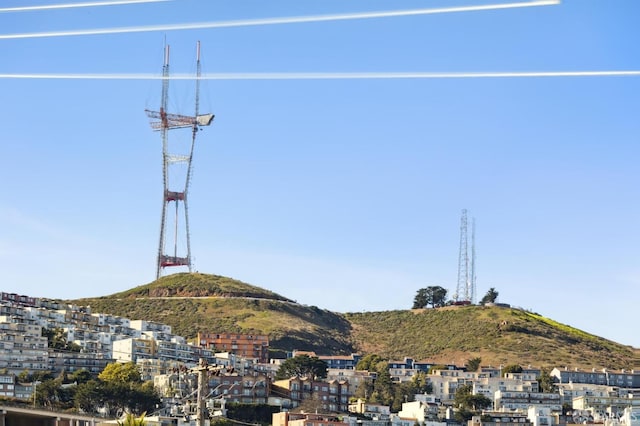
[102, 338]
[412, 414]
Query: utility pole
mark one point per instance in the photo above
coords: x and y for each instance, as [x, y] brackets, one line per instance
[203, 385]
[35, 393]
[203, 370]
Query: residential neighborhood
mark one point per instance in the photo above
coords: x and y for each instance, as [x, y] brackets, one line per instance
[218, 369]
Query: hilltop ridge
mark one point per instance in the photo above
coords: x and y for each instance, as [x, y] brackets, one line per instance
[198, 285]
[196, 302]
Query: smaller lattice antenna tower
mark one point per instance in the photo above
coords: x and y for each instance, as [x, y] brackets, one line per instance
[472, 277]
[174, 224]
[466, 287]
[462, 288]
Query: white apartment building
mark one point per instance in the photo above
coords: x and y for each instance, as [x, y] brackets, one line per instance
[132, 349]
[606, 406]
[370, 410]
[569, 391]
[46, 318]
[622, 378]
[102, 337]
[144, 325]
[541, 416]
[22, 347]
[446, 382]
[630, 417]
[423, 409]
[488, 386]
[112, 320]
[521, 401]
[135, 349]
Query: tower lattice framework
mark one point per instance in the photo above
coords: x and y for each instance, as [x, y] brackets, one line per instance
[175, 241]
[463, 261]
[466, 286]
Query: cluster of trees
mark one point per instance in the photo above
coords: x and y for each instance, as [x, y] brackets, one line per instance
[117, 389]
[57, 339]
[468, 404]
[383, 390]
[436, 297]
[302, 366]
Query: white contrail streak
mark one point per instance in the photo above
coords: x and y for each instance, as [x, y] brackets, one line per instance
[75, 5]
[276, 21]
[328, 76]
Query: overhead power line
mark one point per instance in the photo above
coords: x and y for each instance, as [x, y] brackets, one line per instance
[329, 76]
[75, 5]
[276, 21]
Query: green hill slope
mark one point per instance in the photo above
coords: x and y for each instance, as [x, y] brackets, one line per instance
[193, 303]
[198, 285]
[497, 335]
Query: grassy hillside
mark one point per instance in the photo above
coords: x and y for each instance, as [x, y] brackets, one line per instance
[198, 285]
[198, 302]
[193, 303]
[497, 335]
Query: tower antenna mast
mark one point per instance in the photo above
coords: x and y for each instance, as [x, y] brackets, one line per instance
[472, 277]
[463, 261]
[466, 286]
[174, 191]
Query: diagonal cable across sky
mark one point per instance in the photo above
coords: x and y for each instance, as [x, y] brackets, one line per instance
[276, 20]
[331, 76]
[75, 5]
[287, 20]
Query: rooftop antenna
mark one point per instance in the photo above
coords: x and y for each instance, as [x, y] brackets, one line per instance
[175, 190]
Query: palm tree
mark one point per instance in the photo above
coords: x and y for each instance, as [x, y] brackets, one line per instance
[130, 420]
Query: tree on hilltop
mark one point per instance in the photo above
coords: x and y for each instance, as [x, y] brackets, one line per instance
[490, 297]
[435, 296]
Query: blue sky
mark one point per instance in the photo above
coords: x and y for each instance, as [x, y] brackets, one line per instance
[340, 193]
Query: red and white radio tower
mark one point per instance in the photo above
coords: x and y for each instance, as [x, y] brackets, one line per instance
[176, 184]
